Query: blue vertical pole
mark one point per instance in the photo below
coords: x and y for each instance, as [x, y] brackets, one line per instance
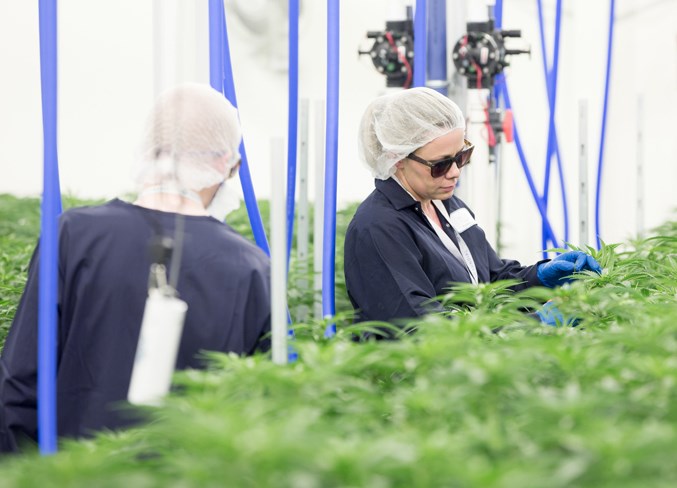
[49, 236]
[437, 46]
[331, 163]
[420, 41]
[220, 36]
[605, 109]
[292, 119]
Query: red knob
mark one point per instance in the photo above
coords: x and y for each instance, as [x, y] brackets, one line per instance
[508, 126]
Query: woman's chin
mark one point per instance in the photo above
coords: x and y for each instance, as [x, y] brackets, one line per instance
[446, 192]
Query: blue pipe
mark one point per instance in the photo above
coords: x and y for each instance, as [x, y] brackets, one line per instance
[503, 87]
[292, 119]
[544, 57]
[215, 47]
[48, 285]
[437, 42]
[218, 40]
[331, 163]
[498, 14]
[548, 86]
[292, 139]
[420, 38]
[551, 77]
[555, 143]
[604, 118]
[498, 24]
[502, 91]
[223, 82]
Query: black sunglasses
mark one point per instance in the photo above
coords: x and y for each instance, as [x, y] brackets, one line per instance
[441, 166]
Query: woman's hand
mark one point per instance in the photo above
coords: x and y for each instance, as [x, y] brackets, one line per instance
[559, 270]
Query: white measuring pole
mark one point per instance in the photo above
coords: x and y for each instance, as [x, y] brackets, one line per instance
[318, 222]
[640, 166]
[303, 220]
[278, 251]
[500, 162]
[180, 43]
[583, 190]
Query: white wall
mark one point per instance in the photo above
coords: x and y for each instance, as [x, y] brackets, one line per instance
[112, 61]
[105, 86]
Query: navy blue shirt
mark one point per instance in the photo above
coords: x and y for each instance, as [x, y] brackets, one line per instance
[395, 263]
[103, 280]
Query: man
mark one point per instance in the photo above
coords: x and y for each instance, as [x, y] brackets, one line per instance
[105, 253]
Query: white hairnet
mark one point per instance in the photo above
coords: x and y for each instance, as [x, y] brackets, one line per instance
[395, 125]
[192, 130]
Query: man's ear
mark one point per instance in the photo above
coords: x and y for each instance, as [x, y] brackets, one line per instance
[221, 162]
[234, 170]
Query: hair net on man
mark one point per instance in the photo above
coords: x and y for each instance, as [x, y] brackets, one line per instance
[191, 140]
[395, 125]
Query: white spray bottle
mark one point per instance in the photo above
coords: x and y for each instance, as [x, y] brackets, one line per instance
[159, 338]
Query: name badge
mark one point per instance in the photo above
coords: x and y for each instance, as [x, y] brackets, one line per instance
[461, 220]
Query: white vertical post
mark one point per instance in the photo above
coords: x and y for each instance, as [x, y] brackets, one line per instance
[499, 191]
[583, 189]
[478, 183]
[318, 222]
[161, 53]
[302, 236]
[640, 166]
[397, 9]
[180, 43]
[278, 252]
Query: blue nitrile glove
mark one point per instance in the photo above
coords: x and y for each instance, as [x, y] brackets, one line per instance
[550, 315]
[559, 270]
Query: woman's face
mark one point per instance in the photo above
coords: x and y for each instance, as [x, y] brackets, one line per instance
[416, 177]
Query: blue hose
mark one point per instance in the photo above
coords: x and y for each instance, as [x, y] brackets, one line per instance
[503, 87]
[219, 42]
[437, 45]
[292, 138]
[502, 92]
[604, 118]
[498, 14]
[551, 77]
[420, 41]
[215, 47]
[49, 239]
[292, 119]
[331, 163]
[498, 24]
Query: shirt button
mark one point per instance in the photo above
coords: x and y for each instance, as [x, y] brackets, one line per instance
[448, 225]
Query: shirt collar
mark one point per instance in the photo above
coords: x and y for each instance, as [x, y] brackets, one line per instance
[398, 197]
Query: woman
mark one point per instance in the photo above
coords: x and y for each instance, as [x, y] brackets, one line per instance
[411, 238]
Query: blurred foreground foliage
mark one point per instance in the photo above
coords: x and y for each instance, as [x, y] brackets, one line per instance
[482, 396]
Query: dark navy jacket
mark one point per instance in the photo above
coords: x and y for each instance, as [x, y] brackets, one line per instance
[103, 278]
[395, 263]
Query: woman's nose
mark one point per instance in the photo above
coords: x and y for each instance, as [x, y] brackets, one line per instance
[453, 172]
